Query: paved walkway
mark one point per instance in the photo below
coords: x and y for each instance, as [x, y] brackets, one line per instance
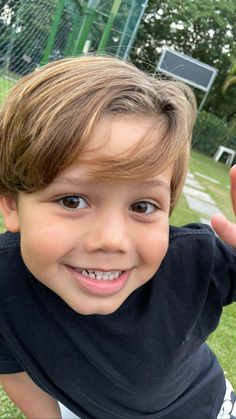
[197, 199]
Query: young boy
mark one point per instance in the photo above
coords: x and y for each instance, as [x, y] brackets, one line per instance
[103, 307]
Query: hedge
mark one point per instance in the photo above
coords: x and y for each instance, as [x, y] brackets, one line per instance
[210, 132]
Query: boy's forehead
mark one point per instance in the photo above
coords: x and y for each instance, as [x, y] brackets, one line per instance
[116, 136]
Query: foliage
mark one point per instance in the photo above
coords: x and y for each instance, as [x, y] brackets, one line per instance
[230, 83]
[204, 30]
[230, 79]
[210, 132]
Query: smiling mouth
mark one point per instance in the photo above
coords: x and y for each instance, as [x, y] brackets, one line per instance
[100, 283]
[99, 275]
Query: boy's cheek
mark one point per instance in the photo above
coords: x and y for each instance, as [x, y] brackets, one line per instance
[44, 246]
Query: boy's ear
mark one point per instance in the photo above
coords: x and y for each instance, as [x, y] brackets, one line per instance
[8, 209]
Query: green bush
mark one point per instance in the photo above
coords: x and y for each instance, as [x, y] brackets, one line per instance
[210, 132]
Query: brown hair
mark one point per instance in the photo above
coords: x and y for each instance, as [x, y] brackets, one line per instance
[49, 115]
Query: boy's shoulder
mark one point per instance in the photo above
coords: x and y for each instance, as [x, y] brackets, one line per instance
[194, 240]
[9, 241]
[13, 273]
[193, 230]
[10, 256]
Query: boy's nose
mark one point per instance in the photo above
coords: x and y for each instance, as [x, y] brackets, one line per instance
[108, 234]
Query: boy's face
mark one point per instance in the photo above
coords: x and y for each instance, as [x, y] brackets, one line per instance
[93, 242]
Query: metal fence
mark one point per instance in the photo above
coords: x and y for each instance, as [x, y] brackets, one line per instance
[33, 32]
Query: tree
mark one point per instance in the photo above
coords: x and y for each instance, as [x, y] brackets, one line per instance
[204, 30]
[230, 79]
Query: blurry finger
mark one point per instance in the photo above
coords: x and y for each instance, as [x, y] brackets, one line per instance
[224, 229]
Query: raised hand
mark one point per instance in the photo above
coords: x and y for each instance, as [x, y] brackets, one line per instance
[225, 229]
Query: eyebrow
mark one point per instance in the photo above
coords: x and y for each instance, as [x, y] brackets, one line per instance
[156, 183]
[75, 180]
[150, 183]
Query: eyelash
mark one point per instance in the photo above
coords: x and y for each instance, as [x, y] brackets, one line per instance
[143, 205]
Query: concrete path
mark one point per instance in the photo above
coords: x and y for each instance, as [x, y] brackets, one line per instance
[197, 199]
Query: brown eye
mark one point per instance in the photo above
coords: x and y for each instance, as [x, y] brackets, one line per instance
[144, 207]
[73, 202]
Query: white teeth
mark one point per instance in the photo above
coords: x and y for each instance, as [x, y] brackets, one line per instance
[100, 275]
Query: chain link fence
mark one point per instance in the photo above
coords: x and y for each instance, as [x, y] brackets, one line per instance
[35, 32]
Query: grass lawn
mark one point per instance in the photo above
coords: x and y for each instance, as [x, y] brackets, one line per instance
[220, 193]
[223, 341]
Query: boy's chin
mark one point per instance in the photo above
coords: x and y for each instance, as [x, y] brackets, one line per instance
[103, 308]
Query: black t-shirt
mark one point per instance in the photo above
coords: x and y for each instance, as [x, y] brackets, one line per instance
[147, 360]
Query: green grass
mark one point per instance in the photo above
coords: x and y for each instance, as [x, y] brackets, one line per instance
[5, 86]
[183, 214]
[223, 341]
[218, 171]
[1, 229]
[7, 409]
[220, 193]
